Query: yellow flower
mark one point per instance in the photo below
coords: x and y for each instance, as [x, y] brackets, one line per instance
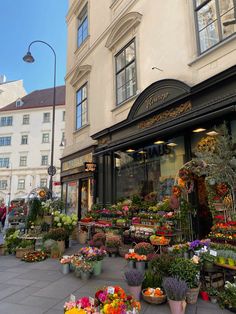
[106, 308]
[75, 311]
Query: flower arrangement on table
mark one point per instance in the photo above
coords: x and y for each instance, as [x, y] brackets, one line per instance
[36, 256]
[92, 253]
[135, 257]
[114, 300]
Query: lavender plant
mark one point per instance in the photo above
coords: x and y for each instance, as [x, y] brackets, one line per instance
[175, 289]
[134, 277]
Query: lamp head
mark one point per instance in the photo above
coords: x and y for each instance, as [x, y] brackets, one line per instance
[28, 58]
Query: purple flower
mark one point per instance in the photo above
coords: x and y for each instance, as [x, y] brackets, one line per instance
[195, 244]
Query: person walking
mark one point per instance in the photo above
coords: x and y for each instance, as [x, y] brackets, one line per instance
[3, 213]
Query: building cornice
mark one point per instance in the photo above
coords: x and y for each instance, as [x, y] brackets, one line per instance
[75, 9]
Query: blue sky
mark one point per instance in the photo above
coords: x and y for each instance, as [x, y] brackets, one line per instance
[23, 21]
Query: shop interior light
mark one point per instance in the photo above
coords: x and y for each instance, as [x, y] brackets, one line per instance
[159, 142]
[171, 143]
[212, 133]
[142, 152]
[198, 130]
[130, 150]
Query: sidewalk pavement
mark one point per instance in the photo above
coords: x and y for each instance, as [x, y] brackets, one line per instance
[40, 288]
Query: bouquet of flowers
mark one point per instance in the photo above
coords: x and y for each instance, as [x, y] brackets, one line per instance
[92, 253]
[84, 266]
[36, 256]
[81, 306]
[65, 221]
[65, 259]
[198, 244]
[135, 257]
[114, 300]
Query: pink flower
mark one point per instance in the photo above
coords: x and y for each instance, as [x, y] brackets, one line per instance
[125, 208]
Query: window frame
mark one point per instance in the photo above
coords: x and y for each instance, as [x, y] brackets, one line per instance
[6, 140]
[23, 162]
[124, 69]
[19, 183]
[2, 185]
[82, 17]
[63, 115]
[41, 180]
[80, 104]
[43, 138]
[26, 121]
[49, 117]
[218, 20]
[8, 121]
[26, 137]
[43, 163]
[4, 162]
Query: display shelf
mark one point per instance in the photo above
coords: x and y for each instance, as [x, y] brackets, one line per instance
[226, 266]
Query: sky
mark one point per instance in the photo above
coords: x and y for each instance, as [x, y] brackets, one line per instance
[23, 21]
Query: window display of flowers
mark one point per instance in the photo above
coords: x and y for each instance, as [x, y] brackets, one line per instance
[135, 257]
[92, 253]
[36, 256]
[114, 300]
[65, 221]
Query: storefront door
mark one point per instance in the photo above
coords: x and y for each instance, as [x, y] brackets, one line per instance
[83, 197]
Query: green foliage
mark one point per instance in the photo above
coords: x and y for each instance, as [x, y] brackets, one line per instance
[12, 241]
[207, 257]
[227, 298]
[185, 270]
[35, 211]
[152, 280]
[161, 264]
[25, 244]
[58, 234]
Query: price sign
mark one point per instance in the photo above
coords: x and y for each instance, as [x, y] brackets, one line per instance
[111, 290]
[72, 298]
[213, 252]
[91, 300]
[131, 250]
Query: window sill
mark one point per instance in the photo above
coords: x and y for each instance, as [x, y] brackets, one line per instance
[78, 49]
[212, 50]
[125, 102]
[81, 129]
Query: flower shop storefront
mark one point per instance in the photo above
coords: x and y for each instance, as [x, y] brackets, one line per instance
[169, 124]
[78, 182]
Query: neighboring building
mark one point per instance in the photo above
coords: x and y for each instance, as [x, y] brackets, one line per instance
[25, 142]
[10, 91]
[140, 73]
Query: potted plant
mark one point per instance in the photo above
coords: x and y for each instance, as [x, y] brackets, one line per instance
[65, 264]
[207, 261]
[59, 235]
[94, 255]
[85, 268]
[227, 298]
[188, 271]
[24, 247]
[112, 244]
[144, 248]
[98, 239]
[222, 256]
[175, 290]
[137, 260]
[213, 293]
[134, 279]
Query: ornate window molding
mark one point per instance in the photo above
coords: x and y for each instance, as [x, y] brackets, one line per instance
[76, 7]
[79, 73]
[122, 27]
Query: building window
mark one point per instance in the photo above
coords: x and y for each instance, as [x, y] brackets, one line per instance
[81, 107]
[83, 26]
[63, 115]
[21, 184]
[23, 161]
[24, 139]
[4, 162]
[46, 117]
[3, 184]
[6, 121]
[45, 138]
[44, 160]
[43, 182]
[5, 140]
[126, 84]
[26, 118]
[216, 21]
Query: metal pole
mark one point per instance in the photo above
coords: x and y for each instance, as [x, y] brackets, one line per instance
[53, 110]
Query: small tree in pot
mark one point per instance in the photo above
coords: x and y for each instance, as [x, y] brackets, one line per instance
[134, 280]
[176, 291]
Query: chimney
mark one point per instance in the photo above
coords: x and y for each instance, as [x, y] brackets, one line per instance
[3, 79]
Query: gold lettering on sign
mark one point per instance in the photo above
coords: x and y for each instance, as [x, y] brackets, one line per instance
[166, 115]
[77, 162]
[155, 99]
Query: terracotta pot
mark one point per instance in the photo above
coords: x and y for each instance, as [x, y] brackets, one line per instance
[177, 307]
[135, 291]
[192, 295]
[61, 246]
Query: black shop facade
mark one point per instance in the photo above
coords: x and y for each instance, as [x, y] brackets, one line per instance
[143, 154]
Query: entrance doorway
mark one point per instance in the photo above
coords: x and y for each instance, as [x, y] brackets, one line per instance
[84, 197]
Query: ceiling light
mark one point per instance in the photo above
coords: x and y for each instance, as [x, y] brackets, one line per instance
[212, 133]
[130, 150]
[142, 152]
[159, 142]
[171, 143]
[199, 130]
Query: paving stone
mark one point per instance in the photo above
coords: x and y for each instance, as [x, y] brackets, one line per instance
[9, 291]
[7, 308]
[44, 303]
[54, 312]
[20, 282]
[41, 275]
[6, 275]
[19, 295]
[41, 284]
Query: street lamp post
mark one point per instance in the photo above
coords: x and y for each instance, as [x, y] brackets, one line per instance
[10, 181]
[30, 59]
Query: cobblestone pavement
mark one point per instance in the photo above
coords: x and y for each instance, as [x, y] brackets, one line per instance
[40, 288]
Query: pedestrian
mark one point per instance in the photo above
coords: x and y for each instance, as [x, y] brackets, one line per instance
[3, 213]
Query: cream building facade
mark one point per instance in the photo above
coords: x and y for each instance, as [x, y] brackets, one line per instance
[10, 91]
[116, 50]
[25, 143]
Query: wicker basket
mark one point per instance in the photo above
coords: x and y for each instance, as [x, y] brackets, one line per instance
[154, 300]
[22, 251]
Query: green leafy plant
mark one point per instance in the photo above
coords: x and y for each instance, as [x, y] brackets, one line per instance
[25, 244]
[152, 280]
[58, 234]
[12, 240]
[227, 298]
[213, 292]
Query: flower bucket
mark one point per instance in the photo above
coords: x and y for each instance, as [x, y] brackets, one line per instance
[131, 264]
[192, 295]
[140, 266]
[85, 276]
[177, 307]
[65, 268]
[230, 261]
[221, 260]
[77, 272]
[204, 295]
[213, 299]
[97, 268]
[135, 291]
